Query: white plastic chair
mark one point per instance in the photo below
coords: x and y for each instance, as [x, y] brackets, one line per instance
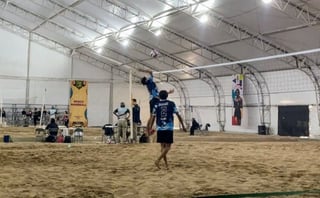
[78, 135]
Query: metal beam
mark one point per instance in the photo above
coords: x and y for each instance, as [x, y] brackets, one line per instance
[37, 19]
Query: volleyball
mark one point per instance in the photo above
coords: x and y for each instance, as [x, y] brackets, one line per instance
[154, 53]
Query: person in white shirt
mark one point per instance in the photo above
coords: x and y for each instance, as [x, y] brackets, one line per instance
[123, 114]
[52, 112]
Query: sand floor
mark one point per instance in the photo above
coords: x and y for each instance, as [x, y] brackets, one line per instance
[219, 163]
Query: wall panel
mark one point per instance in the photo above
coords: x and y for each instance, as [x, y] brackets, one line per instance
[13, 54]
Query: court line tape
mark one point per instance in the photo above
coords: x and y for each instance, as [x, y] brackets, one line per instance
[263, 194]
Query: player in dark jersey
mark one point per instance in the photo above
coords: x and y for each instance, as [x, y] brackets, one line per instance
[163, 113]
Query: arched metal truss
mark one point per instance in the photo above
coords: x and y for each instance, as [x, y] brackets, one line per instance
[263, 94]
[184, 100]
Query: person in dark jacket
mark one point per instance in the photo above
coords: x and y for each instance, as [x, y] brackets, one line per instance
[135, 119]
[194, 126]
[53, 129]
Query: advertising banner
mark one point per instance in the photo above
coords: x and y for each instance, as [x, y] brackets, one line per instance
[237, 98]
[78, 103]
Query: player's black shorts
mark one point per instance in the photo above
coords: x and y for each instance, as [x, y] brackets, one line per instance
[165, 137]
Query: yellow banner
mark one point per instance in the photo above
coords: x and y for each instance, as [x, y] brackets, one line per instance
[78, 103]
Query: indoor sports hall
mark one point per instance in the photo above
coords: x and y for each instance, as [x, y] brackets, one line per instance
[159, 98]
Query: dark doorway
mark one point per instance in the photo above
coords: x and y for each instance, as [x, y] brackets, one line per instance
[293, 120]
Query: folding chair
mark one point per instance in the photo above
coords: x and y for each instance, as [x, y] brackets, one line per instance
[108, 134]
[78, 135]
[40, 134]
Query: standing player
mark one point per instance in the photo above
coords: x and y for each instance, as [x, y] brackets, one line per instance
[163, 113]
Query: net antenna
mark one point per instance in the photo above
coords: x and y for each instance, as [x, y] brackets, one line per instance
[130, 101]
[42, 105]
[243, 61]
[1, 106]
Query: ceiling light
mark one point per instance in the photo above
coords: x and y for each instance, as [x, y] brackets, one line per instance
[266, 1]
[99, 50]
[204, 18]
[134, 19]
[125, 42]
[158, 32]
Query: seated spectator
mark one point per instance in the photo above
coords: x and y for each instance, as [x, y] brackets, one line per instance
[53, 129]
[194, 126]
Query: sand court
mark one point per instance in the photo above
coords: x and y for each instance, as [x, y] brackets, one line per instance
[222, 163]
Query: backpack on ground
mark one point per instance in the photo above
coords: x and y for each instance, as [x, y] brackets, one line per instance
[67, 139]
[143, 139]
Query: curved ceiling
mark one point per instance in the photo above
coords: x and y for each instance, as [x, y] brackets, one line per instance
[235, 30]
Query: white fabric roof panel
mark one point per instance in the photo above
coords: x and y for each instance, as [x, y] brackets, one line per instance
[236, 30]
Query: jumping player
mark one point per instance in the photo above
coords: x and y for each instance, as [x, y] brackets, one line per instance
[152, 89]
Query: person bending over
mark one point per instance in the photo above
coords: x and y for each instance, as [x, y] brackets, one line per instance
[163, 113]
[194, 126]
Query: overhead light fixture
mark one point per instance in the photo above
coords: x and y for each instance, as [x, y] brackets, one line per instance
[134, 19]
[99, 50]
[125, 42]
[204, 18]
[158, 32]
[266, 1]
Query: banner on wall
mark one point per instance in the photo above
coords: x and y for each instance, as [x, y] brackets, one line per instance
[78, 103]
[237, 98]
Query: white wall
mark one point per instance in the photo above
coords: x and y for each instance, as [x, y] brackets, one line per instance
[203, 103]
[49, 73]
[13, 90]
[48, 63]
[98, 103]
[13, 54]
